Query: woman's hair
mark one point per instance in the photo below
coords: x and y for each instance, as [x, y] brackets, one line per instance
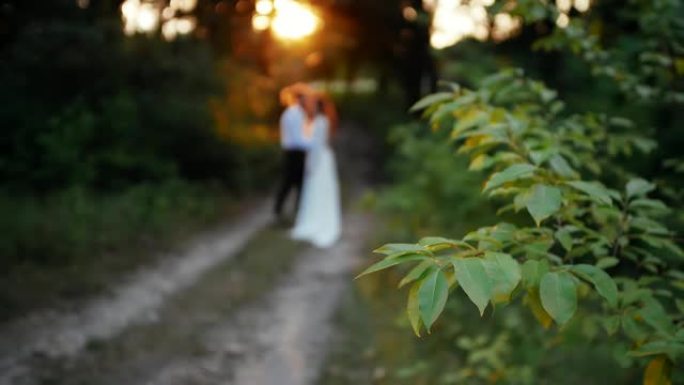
[325, 106]
[294, 93]
[320, 104]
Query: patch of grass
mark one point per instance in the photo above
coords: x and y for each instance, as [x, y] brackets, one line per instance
[183, 322]
[72, 244]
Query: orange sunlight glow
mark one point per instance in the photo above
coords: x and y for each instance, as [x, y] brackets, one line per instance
[288, 19]
[260, 22]
[263, 7]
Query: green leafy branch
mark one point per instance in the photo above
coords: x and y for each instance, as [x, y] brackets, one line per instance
[647, 73]
[585, 234]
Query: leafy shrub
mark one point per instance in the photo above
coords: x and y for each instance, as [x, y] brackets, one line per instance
[596, 230]
[586, 235]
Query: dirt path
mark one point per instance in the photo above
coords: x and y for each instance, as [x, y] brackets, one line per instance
[59, 334]
[294, 338]
[242, 305]
[281, 339]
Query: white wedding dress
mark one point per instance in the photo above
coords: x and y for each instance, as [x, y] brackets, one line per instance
[319, 218]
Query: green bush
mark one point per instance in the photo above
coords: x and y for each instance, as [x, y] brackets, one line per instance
[594, 255]
[84, 105]
[542, 162]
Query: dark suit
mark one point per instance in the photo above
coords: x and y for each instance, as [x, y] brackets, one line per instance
[292, 177]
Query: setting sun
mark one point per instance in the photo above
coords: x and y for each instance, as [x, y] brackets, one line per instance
[291, 20]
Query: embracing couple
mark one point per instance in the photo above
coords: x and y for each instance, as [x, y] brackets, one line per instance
[309, 166]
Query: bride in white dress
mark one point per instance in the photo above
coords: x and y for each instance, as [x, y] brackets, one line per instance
[319, 218]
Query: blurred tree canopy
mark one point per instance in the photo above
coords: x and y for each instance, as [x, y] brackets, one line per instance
[84, 104]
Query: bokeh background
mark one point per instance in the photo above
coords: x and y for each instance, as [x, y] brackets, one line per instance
[128, 126]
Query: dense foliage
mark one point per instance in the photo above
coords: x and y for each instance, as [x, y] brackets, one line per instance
[595, 230]
[82, 105]
[110, 147]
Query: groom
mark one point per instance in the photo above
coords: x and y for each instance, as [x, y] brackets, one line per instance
[294, 148]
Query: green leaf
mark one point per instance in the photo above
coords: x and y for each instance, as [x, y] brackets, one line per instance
[564, 237]
[561, 167]
[532, 271]
[558, 294]
[652, 204]
[431, 99]
[514, 172]
[655, 315]
[639, 187]
[504, 273]
[603, 282]
[412, 309]
[391, 261]
[648, 225]
[680, 305]
[671, 348]
[520, 200]
[540, 156]
[644, 145]
[501, 77]
[439, 243]
[662, 242]
[480, 162]
[538, 248]
[595, 190]
[533, 301]
[432, 297]
[658, 371]
[467, 122]
[473, 278]
[417, 272]
[447, 109]
[611, 324]
[432, 241]
[632, 293]
[632, 329]
[398, 248]
[544, 202]
[607, 262]
[621, 122]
